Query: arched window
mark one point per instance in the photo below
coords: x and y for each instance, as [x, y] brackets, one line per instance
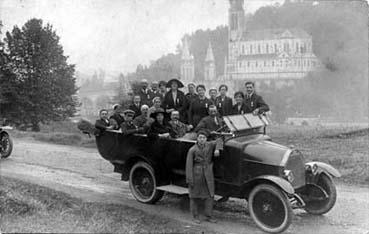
[259, 51]
[243, 49]
[272, 63]
[256, 64]
[275, 48]
[248, 64]
[297, 47]
[267, 48]
[250, 49]
[265, 63]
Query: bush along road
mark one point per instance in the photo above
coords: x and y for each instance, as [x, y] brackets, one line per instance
[83, 174]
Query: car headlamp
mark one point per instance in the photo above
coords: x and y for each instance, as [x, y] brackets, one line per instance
[289, 175]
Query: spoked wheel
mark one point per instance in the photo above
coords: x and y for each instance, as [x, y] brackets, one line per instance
[269, 208]
[142, 183]
[322, 206]
[6, 145]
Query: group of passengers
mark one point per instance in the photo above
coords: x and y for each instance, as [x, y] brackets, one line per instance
[165, 111]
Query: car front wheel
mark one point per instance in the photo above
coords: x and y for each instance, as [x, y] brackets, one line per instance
[269, 208]
[6, 146]
[323, 205]
[143, 184]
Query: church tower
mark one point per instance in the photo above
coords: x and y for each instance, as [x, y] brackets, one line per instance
[187, 64]
[209, 68]
[236, 19]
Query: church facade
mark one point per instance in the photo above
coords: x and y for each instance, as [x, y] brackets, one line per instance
[278, 55]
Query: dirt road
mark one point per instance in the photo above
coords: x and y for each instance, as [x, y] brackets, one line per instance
[81, 172]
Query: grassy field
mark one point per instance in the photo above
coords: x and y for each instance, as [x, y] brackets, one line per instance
[345, 148]
[30, 208]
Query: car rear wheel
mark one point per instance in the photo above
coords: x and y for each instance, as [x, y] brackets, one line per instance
[143, 184]
[269, 208]
[6, 146]
[322, 206]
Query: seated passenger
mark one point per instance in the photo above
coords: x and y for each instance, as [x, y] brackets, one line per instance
[143, 120]
[159, 128]
[116, 119]
[156, 105]
[239, 108]
[136, 105]
[128, 127]
[178, 127]
[103, 123]
[212, 122]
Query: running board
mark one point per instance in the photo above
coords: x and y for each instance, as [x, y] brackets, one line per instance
[173, 189]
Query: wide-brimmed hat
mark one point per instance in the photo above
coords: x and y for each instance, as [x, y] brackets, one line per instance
[156, 112]
[180, 84]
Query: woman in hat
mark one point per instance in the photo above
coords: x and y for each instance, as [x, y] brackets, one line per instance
[199, 174]
[160, 128]
[175, 99]
[199, 106]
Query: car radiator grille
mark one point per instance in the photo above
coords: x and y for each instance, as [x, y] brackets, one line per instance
[296, 165]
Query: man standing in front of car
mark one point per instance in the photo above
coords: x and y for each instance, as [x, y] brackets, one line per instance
[199, 174]
[254, 103]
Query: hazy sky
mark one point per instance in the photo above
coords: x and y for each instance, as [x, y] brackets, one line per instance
[116, 35]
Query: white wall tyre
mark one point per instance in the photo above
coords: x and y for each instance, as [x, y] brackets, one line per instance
[323, 206]
[143, 184]
[270, 208]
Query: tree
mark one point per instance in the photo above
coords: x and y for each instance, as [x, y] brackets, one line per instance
[40, 83]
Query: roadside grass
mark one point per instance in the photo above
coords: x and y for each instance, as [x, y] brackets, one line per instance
[63, 133]
[26, 208]
[345, 148]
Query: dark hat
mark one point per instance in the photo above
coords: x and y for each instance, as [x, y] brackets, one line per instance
[180, 84]
[204, 132]
[157, 111]
[128, 112]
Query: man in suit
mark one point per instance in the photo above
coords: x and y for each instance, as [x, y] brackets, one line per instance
[222, 102]
[175, 99]
[103, 123]
[254, 103]
[145, 93]
[128, 127]
[117, 118]
[212, 122]
[162, 90]
[136, 105]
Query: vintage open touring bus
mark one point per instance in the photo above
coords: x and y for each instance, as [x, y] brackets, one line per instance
[274, 179]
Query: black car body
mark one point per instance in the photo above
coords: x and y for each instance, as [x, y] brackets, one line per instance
[272, 177]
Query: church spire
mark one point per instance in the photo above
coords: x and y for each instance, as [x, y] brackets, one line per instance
[209, 54]
[185, 50]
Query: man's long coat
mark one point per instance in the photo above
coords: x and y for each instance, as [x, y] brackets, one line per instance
[199, 169]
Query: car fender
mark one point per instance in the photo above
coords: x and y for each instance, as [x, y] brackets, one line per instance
[281, 183]
[325, 168]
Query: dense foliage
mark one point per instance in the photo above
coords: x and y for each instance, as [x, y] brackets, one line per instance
[37, 83]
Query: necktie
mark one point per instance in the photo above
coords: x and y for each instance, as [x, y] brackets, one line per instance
[216, 121]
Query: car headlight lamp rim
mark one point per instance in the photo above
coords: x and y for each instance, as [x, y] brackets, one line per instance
[289, 175]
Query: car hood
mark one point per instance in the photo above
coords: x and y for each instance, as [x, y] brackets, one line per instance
[260, 148]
